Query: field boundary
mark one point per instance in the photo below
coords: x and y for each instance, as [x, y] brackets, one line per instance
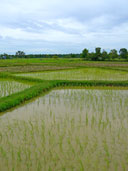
[43, 86]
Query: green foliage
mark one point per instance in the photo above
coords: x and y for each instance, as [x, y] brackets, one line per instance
[18, 98]
[84, 54]
[55, 57]
[20, 54]
[97, 56]
[94, 56]
[123, 53]
[104, 55]
[98, 50]
[113, 54]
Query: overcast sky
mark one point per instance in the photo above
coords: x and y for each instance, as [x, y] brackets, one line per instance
[62, 26]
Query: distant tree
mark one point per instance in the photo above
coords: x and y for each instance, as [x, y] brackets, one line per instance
[72, 55]
[91, 56]
[123, 53]
[84, 54]
[113, 54]
[97, 55]
[20, 54]
[5, 56]
[55, 57]
[104, 55]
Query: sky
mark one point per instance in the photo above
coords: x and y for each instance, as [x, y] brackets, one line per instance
[62, 26]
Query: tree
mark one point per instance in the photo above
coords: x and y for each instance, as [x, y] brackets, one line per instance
[91, 56]
[55, 57]
[20, 54]
[113, 54]
[104, 55]
[72, 55]
[98, 50]
[97, 55]
[123, 53]
[84, 54]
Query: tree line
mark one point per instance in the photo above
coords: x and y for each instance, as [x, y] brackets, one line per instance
[104, 55]
[98, 55]
[21, 54]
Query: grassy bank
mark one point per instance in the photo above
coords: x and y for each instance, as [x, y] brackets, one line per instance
[18, 98]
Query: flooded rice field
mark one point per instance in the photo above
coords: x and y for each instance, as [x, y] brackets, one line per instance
[80, 74]
[67, 129]
[8, 87]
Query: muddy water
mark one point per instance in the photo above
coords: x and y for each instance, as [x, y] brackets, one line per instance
[69, 128]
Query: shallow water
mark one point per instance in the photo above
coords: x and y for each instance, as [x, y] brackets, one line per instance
[80, 74]
[8, 87]
[69, 128]
[74, 100]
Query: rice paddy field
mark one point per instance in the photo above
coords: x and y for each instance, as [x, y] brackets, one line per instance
[8, 87]
[80, 74]
[64, 120]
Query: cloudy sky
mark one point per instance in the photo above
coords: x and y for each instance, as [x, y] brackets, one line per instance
[62, 26]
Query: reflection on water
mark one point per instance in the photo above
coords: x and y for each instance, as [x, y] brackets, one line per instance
[71, 129]
[8, 87]
[92, 102]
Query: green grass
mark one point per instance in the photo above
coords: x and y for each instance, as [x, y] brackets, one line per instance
[33, 61]
[46, 64]
[20, 97]
[67, 130]
[29, 61]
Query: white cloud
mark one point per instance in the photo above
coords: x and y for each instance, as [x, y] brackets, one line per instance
[81, 23]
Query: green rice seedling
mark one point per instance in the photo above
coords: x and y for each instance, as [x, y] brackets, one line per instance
[8, 87]
[69, 129]
[80, 74]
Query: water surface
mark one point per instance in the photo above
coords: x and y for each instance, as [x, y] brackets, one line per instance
[67, 129]
[8, 87]
[80, 74]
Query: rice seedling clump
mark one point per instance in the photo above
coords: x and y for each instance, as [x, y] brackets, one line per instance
[8, 87]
